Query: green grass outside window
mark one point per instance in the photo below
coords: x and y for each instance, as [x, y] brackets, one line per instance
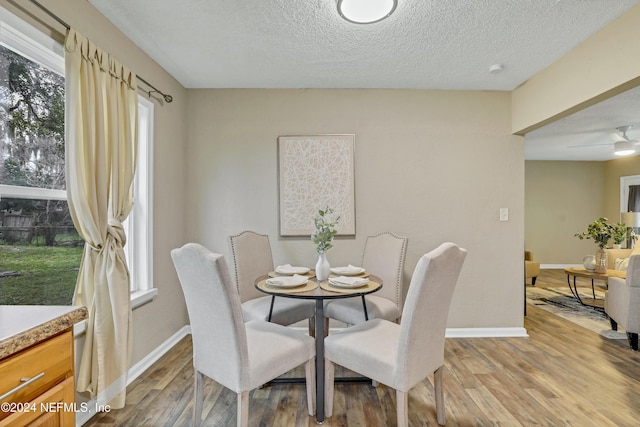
[47, 274]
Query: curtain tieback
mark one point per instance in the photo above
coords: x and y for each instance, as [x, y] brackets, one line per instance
[116, 230]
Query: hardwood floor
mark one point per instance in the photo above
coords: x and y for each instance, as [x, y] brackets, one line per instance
[561, 375]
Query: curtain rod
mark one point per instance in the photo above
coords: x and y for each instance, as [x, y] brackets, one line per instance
[166, 97]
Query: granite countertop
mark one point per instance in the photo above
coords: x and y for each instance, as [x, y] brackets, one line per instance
[22, 326]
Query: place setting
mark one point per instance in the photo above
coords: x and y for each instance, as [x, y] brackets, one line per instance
[347, 279]
[288, 278]
[349, 270]
[291, 270]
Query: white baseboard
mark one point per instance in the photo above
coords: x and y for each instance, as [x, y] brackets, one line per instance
[90, 407]
[559, 266]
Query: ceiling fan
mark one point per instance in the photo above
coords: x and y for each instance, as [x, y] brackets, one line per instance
[623, 146]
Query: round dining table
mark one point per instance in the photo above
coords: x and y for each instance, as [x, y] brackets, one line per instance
[319, 292]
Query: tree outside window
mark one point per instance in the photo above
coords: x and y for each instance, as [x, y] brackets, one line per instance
[32, 149]
[40, 250]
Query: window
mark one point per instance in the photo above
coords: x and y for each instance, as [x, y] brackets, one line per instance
[40, 250]
[139, 224]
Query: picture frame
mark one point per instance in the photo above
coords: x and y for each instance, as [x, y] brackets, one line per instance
[316, 172]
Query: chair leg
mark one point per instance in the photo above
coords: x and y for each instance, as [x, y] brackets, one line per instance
[533, 280]
[310, 373]
[312, 327]
[633, 341]
[402, 408]
[326, 327]
[197, 399]
[614, 324]
[437, 379]
[243, 409]
[329, 375]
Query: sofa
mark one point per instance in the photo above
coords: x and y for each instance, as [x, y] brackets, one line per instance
[614, 255]
[531, 268]
[622, 301]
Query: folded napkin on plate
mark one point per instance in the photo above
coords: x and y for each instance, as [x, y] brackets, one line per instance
[288, 281]
[348, 281]
[289, 269]
[348, 270]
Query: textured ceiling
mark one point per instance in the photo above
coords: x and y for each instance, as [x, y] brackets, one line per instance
[425, 44]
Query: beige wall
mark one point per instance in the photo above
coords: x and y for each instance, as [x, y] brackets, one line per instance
[562, 198]
[154, 322]
[431, 165]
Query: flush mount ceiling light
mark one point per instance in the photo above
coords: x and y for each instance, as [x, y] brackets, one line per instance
[366, 11]
[496, 68]
[624, 148]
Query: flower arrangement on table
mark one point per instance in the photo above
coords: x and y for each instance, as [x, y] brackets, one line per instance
[600, 231]
[322, 237]
[325, 230]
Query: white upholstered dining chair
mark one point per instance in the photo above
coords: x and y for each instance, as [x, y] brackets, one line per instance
[252, 258]
[383, 256]
[240, 356]
[401, 355]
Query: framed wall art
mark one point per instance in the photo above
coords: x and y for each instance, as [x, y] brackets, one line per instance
[316, 171]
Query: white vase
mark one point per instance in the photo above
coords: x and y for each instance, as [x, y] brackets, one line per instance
[322, 268]
[589, 262]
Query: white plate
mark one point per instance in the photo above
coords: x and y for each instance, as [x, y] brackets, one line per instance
[287, 281]
[289, 270]
[347, 271]
[345, 284]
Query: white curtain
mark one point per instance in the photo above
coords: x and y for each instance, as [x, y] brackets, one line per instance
[101, 143]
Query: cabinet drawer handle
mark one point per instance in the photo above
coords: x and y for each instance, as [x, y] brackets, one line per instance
[25, 383]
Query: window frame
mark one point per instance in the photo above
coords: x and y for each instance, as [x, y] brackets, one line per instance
[19, 36]
[139, 224]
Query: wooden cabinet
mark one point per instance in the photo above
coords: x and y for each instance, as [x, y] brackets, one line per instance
[37, 384]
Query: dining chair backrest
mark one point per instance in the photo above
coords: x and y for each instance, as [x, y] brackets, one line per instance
[251, 258]
[384, 256]
[424, 317]
[217, 327]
